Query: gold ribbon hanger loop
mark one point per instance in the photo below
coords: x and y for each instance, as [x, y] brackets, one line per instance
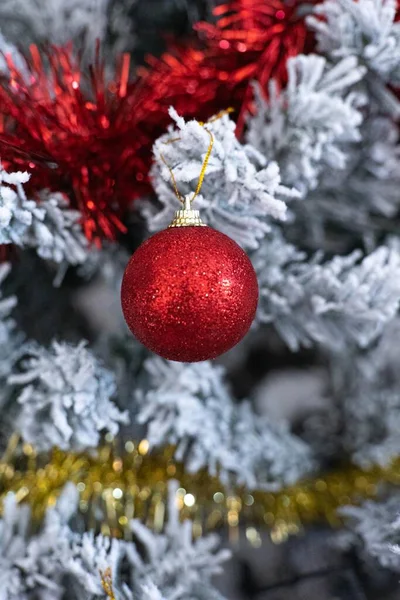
[188, 202]
[188, 216]
[107, 583]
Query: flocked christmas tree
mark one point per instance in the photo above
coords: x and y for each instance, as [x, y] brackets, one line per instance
[116, 463]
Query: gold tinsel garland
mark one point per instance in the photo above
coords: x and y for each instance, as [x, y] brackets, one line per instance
[107, 583]
[118, 485]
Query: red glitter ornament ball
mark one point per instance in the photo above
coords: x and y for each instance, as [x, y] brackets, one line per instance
[189, 293]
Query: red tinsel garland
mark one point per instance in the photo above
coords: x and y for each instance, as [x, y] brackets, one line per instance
[92, 140]
[87, 148]
[253, 41]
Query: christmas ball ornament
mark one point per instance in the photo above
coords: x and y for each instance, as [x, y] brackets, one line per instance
[189, 293]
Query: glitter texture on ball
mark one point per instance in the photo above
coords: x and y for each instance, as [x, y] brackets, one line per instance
[189, 294]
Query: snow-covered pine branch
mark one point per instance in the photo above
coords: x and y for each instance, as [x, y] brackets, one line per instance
[16, 211]
[90, 554]
[48, 226]
[178, 566]
[364, 30]
[362, 200]
[189, 406]
[58, 561]
[6, 304]
[10, 337]
[65, 397]
[345, 301]
[377, 527]
[150, 592]
[21, 575]
[306, 127]
[366, 389]
[57, 235]
[241, 192]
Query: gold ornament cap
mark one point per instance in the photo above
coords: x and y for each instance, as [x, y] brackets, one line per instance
[187, 217]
